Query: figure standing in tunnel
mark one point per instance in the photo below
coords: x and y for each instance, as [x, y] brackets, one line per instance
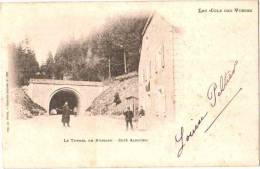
[65, 115]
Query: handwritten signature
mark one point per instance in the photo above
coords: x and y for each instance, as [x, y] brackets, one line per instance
[223, 82]
[183, 139]
[212, 93]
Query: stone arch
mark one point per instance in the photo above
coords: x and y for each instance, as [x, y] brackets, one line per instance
[63, 94]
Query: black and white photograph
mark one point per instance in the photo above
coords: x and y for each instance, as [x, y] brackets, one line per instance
[129, 84]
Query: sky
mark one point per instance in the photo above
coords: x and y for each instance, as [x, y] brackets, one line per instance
[46, 25]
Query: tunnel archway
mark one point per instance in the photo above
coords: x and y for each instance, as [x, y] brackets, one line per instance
[59, 97]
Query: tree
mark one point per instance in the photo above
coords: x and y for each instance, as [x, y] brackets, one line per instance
[88, 59]
[50, 67]
[24, 64]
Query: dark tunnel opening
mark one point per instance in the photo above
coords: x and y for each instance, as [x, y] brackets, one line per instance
[58, 99]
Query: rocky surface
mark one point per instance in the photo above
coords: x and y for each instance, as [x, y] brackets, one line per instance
[126, 86]
[22, 105]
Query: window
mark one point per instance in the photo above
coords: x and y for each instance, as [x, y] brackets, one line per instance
[161, 100]
[143, 75]
[162, 60]
[157, 56]
[150, 69]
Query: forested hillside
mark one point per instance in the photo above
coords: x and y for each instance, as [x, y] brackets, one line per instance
[22, 63]
[88, 58]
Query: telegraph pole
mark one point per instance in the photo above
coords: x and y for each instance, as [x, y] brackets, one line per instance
[109, 67]
[124, 55]
[125, 61]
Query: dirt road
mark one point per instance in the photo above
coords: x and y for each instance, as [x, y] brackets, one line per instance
[43, 141]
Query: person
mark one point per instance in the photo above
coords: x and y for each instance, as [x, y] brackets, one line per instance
[136, 119]
[141, 120]
[75, 111]
[128, 118]
[65, 115]
[53, 112]
[141, 111]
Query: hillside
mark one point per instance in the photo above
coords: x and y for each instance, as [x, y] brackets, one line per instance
[125, 86]
[23, 106]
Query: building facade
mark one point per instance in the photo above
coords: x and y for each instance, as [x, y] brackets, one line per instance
[156, 69]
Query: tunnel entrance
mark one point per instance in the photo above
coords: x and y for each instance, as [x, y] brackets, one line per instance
[59, 98]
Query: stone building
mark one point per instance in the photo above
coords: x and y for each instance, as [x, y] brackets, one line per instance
[51, 94]
[156, 70]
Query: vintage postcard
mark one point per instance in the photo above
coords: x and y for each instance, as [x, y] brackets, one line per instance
[129, 84]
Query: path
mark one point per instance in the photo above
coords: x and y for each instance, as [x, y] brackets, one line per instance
[40, 140]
